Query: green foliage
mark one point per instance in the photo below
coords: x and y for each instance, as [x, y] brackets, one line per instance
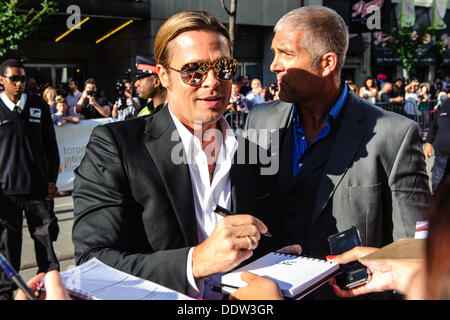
[17, 24]
[413, 45]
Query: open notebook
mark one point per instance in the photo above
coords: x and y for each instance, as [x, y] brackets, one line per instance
[296, 275]
[98, 281]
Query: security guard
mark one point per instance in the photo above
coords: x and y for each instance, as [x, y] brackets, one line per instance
[29, 163]
[149, 87]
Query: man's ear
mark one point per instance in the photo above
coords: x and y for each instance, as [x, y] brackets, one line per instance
[329, 64]
[163, 75]
[157, 82]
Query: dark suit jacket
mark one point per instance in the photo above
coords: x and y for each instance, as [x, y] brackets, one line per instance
[373, 176]
[134, 206]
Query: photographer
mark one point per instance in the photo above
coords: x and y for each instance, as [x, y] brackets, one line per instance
[91, 105]
[255, 96]
[126, 105]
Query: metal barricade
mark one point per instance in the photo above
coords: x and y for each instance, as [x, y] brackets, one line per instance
[236, 120]
[410, 109]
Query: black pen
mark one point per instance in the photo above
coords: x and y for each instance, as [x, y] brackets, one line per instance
[11, 273]
[225, 212]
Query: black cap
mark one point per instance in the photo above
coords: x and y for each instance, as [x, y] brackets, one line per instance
[145, 67]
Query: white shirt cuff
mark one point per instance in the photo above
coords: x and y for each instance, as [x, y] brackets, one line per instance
[195, 289]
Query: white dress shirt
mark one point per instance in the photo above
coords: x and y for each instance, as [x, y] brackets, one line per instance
[206, 193]
[11, 105]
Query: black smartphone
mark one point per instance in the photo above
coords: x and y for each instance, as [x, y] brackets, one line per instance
[353, 273]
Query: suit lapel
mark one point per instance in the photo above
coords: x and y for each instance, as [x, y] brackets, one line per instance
[349, 136]
[161, 140]
[285, 171]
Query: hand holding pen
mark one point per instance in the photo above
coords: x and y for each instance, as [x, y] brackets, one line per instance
[231, 242]
[17, 279]
[225, 212]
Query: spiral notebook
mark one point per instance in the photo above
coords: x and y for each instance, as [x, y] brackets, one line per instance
[94, 280]
[297, 276]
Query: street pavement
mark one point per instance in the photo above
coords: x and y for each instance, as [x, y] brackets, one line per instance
[63, 246]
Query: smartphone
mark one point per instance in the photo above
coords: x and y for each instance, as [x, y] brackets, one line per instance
[353, 273]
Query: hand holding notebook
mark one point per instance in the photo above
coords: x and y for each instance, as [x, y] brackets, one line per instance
[295, 275]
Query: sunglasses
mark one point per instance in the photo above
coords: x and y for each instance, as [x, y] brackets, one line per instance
[195, 73]
[16, 78]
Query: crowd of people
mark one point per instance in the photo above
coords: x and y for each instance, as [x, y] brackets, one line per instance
[412, 98]
[67, 104]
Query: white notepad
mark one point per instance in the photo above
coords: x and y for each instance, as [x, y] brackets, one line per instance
[96, 280]
[296, 275]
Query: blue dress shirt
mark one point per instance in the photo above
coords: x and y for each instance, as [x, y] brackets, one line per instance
[300, 146]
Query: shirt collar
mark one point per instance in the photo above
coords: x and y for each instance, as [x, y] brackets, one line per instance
[192, 143]
[11, 105]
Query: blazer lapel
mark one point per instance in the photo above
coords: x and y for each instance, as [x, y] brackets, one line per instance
[161, 141]
[285, 168]
[348, 139]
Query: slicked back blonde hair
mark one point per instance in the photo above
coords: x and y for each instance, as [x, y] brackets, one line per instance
[181, 22]
[324, 31]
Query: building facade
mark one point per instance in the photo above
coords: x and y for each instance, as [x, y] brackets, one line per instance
[79, 55]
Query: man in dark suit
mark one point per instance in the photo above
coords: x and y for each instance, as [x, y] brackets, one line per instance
[29, 163]
[145, 192]
[343, 162]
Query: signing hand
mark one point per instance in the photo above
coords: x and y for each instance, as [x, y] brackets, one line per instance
[228, 245]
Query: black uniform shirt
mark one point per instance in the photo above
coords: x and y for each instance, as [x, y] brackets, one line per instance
[29, 157]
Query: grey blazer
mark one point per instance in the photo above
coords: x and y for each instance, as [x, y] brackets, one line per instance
[373, 178]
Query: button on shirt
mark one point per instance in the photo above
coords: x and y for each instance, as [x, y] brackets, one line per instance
[300, 147]
[207, 194]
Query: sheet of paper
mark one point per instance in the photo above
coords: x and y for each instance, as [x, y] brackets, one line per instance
[100, 281]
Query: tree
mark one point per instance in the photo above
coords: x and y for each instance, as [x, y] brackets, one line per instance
[413, 45]
[231, 19]
[17, 24]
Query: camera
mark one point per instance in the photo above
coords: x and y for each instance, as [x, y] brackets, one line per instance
[90, 93]
[120, 94]
[121, 88]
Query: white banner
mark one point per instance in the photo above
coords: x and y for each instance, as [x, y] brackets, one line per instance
[72, 140]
